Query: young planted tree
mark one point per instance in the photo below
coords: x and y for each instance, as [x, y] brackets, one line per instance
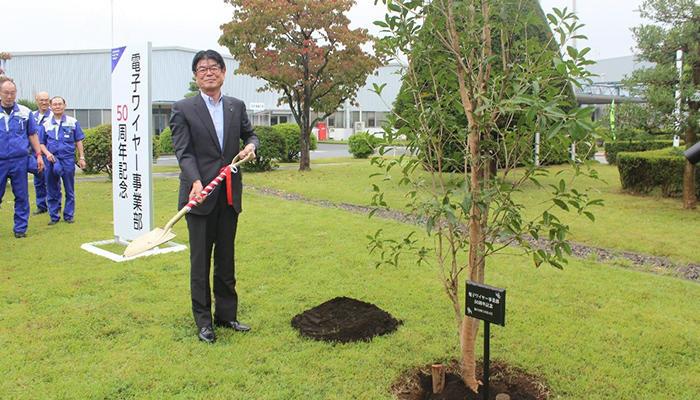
[675, 25]
[483, 76]
[304, 50]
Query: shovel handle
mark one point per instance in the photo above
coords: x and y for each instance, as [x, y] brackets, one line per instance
[208, 189]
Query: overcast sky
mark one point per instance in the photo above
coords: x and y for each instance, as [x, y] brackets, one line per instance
[44, 25]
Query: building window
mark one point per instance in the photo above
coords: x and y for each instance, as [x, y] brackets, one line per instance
[94, 118]
[331, 121]
[278, 119]
[83, 116]
[106, 116]
[370, 119]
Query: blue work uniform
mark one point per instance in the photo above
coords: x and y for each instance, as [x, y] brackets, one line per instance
[15, 130]
[60, 138]
[40, 177]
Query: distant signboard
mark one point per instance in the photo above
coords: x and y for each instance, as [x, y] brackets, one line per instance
[256, 106]
[486, 303]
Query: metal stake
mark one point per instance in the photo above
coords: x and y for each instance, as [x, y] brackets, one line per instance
[487, 337]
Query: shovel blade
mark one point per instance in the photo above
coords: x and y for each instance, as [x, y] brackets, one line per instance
[148, 241]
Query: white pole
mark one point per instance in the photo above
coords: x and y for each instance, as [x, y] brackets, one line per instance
[574, 39]
[574, 44]
[679, 66]
[111, 26]
[537, 149]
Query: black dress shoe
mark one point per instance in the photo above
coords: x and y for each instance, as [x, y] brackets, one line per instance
[235, 325]
[52, 222]
[206, 334]
[39, 211]
[19, 235]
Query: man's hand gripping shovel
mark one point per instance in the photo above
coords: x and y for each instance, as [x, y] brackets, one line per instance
[160, 236]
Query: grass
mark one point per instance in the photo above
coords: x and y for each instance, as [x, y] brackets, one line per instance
[76, 326]
[651, 225]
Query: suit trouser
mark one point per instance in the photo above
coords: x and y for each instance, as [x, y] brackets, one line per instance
[53, 186]
[217, 230]
[15, 169]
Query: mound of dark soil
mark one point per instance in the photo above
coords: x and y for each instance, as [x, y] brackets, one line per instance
[518, 384]
[344, 320]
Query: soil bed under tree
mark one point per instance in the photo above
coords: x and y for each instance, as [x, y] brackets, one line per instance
[515, 382]
[344, 320]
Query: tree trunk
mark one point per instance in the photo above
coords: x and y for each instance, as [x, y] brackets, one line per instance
[305, 157]
[470, 328]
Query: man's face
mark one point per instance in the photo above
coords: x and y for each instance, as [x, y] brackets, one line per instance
[42, 100]
[209, 75]
[58, 106]
[8, 93]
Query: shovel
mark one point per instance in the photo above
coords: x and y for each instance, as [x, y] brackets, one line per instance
[159, 236]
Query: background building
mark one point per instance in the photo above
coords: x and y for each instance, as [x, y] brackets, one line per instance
[83, 78]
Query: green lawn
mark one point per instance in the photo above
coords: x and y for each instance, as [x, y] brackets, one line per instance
[651, 225]
[77, 326]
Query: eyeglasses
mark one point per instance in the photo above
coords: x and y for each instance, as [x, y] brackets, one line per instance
[214, 69]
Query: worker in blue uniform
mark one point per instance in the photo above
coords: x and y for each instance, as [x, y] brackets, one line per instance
[17, 131]
[61, 135]
[40, 116]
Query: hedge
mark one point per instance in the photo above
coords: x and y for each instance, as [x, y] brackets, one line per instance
[166, 142]
[98, 149]
[647, 171]
[290, 133]
[272, 148]
[362, 144]
[553, 151]
[612, 149]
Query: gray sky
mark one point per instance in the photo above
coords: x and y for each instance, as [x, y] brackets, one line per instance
[86, 24]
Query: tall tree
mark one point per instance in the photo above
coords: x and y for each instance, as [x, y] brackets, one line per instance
[498, 64]
[305, 50]
[192, 88]
[675, 25]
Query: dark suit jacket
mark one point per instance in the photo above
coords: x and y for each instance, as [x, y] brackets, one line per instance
[197, 147]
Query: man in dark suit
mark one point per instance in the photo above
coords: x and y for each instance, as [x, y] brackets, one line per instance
[207, 129]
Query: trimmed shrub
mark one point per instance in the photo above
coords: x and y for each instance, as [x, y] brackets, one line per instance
[647, 171]
[291, 132]
[271, 148]
[155, 150]
[362, 144]
[166, 142]
[98, 149]
[612, 149]
[30, 104]
[557, 152]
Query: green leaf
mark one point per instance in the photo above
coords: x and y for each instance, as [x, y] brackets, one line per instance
[561, 204]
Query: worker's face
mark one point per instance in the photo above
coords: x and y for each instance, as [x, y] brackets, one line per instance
[42, 100]
[209, 75]
[8, 93]
[58, 106]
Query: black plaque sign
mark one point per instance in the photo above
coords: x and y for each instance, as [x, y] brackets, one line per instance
[486, 303]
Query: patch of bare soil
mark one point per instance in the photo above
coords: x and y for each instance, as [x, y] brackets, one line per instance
[344, 320]
[515, 382]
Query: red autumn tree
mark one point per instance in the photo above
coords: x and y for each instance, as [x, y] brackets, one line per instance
[304, 50]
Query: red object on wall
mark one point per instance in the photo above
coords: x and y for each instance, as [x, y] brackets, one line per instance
[322, 131]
